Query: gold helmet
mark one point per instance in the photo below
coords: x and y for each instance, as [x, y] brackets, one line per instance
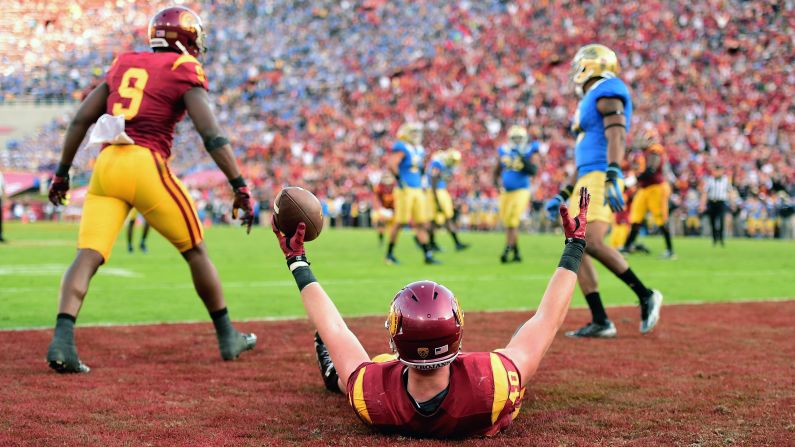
[593, 61]
[410, 133]
[517, 135]
[452, 157]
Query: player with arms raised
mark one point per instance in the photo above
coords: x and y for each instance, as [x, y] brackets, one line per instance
[431, 388]
[152, 92]
[601, 124]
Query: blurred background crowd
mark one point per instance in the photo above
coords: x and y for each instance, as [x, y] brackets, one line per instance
[312, 92]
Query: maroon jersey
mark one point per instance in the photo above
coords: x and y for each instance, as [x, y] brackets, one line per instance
[385, 195]
[147, 89]
[483, 398]
[657, 177]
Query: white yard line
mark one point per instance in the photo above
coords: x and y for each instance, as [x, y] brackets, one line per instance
[55, 270]
[370, 315]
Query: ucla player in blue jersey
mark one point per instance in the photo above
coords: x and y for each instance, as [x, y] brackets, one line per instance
[601, 123]
[517, 162]
[407, 164]
[440, 204]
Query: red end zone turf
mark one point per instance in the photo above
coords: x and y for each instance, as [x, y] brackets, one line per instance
[713, 374]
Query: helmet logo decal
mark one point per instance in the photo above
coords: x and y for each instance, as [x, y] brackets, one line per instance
[392, 321]
[187, 21]
[441, 350]
[459, 314]
[423, 352]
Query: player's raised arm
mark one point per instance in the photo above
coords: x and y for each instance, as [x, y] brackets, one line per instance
[345, 349]
[89, 112]
[531, 341]
[217, 145]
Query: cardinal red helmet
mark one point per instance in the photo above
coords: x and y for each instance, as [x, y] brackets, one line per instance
[177, 28]
[425, 325]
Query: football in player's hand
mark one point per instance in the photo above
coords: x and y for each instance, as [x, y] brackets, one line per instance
[294, 205]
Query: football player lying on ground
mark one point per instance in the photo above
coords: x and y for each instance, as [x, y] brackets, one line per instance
[429, 387]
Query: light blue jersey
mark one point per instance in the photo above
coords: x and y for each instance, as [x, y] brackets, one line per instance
[444, 173]
[410, 167]
[590, 152]
[511, 162]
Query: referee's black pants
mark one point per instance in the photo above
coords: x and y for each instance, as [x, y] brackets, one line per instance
[716, 210]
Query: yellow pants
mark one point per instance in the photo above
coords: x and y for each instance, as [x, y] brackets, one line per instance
[410, 206]
[512, 205]
[132, 176]
[618, 235]
[651, 199]
[598, 210]
[444, 211]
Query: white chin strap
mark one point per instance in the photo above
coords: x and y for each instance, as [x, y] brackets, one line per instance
[181, 47]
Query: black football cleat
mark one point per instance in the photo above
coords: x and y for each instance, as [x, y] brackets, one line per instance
[327, 369]
[461, 247]
[516, 258]
[236, 343]
[390, 259]
[504, 258]
[594, 330]
[62, 357]
[650, 315]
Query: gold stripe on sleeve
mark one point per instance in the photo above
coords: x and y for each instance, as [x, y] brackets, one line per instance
[500, 386]
[359, 405]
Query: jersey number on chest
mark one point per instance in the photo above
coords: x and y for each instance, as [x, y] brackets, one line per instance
[512, 163]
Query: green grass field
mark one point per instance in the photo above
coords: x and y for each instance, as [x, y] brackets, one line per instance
[156, 287]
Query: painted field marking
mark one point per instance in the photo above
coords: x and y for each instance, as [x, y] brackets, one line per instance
[56, 270]
[384, 314]
[41, 243]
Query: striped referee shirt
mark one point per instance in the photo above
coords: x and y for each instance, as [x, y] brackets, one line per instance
[718, 188]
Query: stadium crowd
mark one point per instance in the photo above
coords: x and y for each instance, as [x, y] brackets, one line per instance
[312, 92]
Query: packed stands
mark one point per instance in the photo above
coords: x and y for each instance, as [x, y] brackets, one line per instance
[311, 92]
